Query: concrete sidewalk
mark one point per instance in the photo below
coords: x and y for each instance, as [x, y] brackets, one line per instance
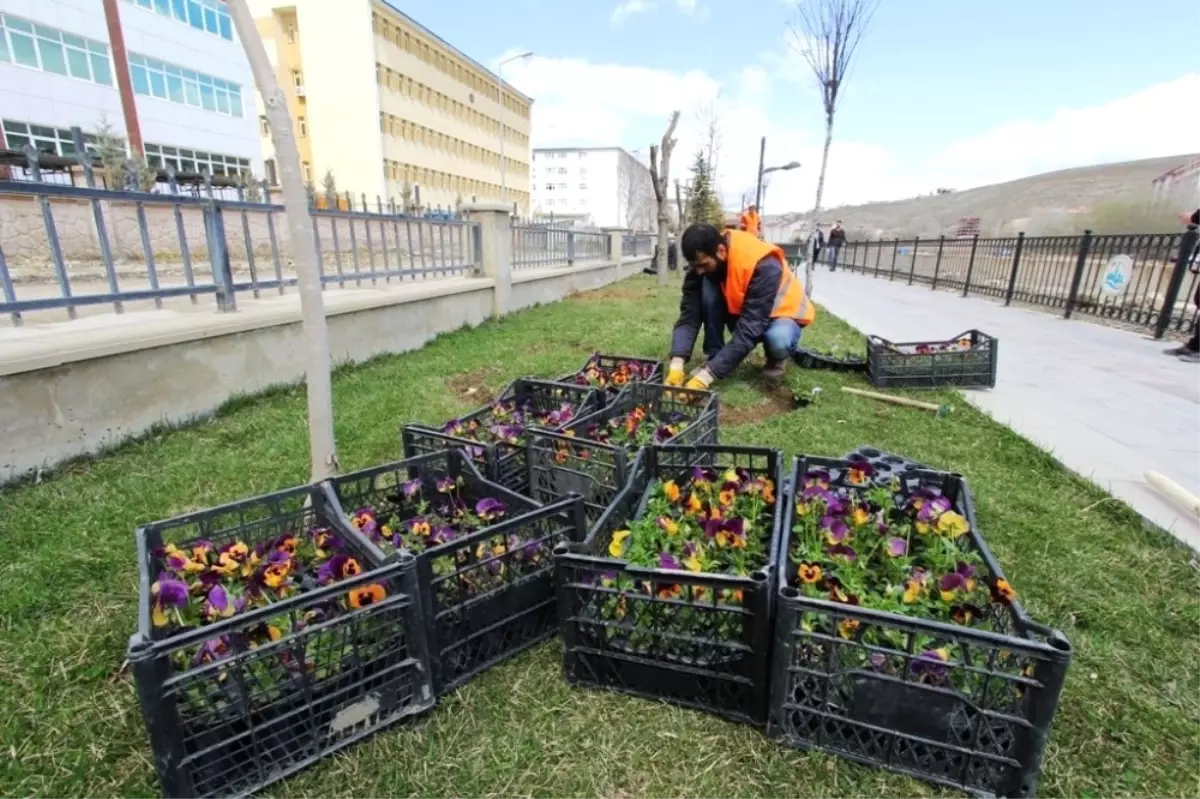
[1105, 402]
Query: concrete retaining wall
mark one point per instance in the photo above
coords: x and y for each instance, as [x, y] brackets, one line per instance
[78, 391]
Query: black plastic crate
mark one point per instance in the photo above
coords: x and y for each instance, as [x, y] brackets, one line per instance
[504, 462]
[964, 706]
[885, 465]
[488, 594]
[613, 373]
[696, 639]
[575, 461]
[809, 359]
[966, 361]
[235, 705]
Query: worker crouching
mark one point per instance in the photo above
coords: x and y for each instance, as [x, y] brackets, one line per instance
[738, 282]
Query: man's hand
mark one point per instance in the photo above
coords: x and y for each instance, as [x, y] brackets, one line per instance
[701, 380]
[675, 373]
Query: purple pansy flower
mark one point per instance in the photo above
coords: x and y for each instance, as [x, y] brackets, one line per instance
[952, 582]
[445, 485]
[169, 592]
[835, 529]
[411, 488]
[897, 547]
[668, 561]
[842, 551]
[489, 508]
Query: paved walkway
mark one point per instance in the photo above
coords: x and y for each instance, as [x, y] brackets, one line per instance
[1105, 402]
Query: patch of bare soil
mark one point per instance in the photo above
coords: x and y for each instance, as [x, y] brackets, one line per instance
[614, 293]
[473, 386]
[776, 400]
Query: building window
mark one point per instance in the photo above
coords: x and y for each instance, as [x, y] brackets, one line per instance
[302, 127]
[306, 168]
[51, 50]
[298, 82]
[272, 172]
[291, 34]
[154, 78]
[195, 162]
[54, 141]
[264, 127]
[210, 16]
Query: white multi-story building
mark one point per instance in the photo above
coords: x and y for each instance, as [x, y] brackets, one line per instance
[192, 86]
[601, 186]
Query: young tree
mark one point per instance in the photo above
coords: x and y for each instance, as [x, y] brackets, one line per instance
[317, 361]
[826, 33]
[661, 182]
[703, 205]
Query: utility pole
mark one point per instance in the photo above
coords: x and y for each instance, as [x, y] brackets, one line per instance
[317, 360]
[120, 68]
[762, 152]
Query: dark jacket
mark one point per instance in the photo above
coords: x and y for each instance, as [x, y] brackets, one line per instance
[751, 324]
[837, 237]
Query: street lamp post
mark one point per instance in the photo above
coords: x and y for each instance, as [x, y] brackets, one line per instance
[768, 170]
[500, 99]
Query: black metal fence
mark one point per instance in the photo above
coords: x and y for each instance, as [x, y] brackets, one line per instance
[1141, 279]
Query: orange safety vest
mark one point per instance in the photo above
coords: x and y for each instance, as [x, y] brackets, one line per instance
[743, 251]
[750, 222]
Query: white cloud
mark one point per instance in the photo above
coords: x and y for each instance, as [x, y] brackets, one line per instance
[583, 103]
[628, 8]
[693, 9]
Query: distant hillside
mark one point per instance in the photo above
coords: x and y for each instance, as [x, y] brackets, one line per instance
[1047, 204]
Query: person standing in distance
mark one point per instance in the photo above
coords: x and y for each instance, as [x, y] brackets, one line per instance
[738, 282]
[837, 239]
[1190, 351]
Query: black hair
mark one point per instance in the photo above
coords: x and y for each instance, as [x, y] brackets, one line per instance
[700, 237]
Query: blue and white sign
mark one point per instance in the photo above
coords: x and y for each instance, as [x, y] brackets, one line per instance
[1117, 273]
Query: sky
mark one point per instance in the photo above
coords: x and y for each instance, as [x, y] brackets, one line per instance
[943, 93]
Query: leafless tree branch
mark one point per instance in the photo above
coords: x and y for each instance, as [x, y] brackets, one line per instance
[826, 34]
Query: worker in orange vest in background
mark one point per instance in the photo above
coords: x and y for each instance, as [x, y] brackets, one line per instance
[749, 220]
[736, 281]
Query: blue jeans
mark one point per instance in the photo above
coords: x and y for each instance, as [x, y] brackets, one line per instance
[780, 339]
[832, 253]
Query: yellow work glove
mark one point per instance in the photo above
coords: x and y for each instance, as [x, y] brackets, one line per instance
[701, 380]
[675, 373]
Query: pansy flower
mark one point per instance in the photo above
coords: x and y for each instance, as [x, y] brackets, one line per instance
[842, 552]
[952, 524]
[668, 561]
[410, 488]
[1002, 592]
[816, 478]
[489, 508]
[846, 628]
[835, 529]
[966, 614]
[444, 485]
[212, 650]
[365, 595]
[931, 664]
[671, 491]
[668, 525]
[616, 547]
[218, 604]
[167, 593]
[860, 472]
[419, 526]
[896, 547]
[809, 573]
[339, 567]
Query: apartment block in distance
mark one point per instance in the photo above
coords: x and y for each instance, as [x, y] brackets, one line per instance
[192, 86]
[599, 186]
[385, 105]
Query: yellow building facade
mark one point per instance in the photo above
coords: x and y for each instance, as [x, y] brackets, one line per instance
[388, 106]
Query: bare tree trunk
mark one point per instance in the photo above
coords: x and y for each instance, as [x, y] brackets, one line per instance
[661, 192]
[317, 360]
[808, 270]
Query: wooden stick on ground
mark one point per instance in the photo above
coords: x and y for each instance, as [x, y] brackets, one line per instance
[940, 410]
[1173, 491]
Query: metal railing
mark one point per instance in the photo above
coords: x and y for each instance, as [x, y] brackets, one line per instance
[1141, 279]
[70, 247]
[539, 247]
[635, 244]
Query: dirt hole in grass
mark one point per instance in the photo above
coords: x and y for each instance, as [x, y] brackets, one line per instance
[775, 400]
[624, 294]
[473, 386]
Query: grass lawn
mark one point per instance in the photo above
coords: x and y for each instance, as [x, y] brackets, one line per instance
[1126, 598]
